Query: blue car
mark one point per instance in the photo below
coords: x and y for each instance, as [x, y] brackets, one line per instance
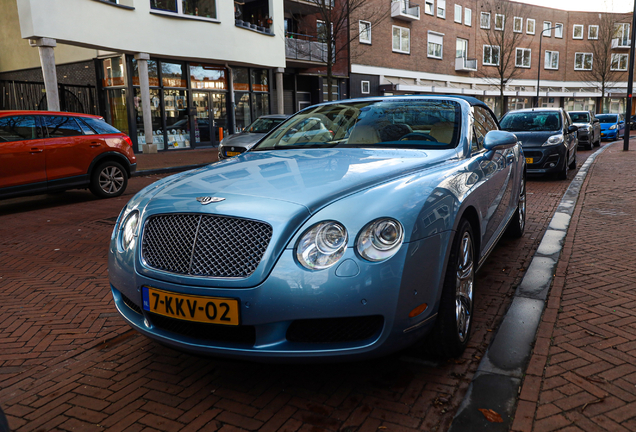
[353, 238]
[612, 126]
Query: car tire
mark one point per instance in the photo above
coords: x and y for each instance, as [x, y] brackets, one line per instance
[589, 146]
[563, 174]
[451, 332]
[598, 142]
[572, 164]
[517, 225]
[109, 180]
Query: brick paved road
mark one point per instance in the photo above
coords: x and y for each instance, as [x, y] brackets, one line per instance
[582, 375]
[68, 362]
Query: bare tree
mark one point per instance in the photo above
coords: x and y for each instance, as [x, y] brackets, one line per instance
[337, 32]
[502, 39]
[605, 67]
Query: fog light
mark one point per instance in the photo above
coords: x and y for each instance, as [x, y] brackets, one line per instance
[418, 310]
[552, 165]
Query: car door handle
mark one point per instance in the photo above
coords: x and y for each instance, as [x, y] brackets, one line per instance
[96, 144]
[37, 150]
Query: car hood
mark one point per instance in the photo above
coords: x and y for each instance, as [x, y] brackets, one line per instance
[243, 139]
[581, 125]
[309, 178]
[533, 139]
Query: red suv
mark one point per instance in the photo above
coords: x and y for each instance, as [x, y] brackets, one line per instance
[46, 151]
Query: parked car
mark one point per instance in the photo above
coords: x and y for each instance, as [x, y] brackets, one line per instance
[348, 244]
[589, 133]
[238, 143]
[632, 125]
[548, 138]
[612, 126]
[45, 151]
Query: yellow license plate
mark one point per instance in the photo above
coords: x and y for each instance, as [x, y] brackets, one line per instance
[529, 160]
[232, 153]
[211, 310]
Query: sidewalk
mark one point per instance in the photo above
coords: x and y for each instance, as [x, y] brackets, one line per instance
[165, 160]
[582, 373]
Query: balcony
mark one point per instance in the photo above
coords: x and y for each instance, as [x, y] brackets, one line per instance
[405, 10]
[305, 48]
[620, 43]
[465, 64]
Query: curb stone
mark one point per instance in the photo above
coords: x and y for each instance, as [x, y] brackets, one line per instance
[498, 378]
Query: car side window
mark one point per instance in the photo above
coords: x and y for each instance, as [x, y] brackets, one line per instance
[61, 126]
[17, 128]
[484, 123]
[85, 128]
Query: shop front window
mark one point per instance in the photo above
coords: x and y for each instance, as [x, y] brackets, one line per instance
[177, 119]
[116, 111]
[243, 115]
[260, 102]
[219, 111]
[153, 74]
[260, 80]
[207, 77]
[173, 75]
[241, 78]
[155, 115]
[114, 72]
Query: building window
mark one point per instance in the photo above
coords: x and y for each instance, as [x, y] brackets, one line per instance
[429, 7]
[547, 29]
[558, 30]
[592, 32]
[484, 22]
[622, 34]
[435, 45]
[441, 8]
[577, 31]
[518, 25]
[619, 62]
[200, 8]
[461, 48]
[366, 87]
[458, 13]
[365, 32]
[583, 61]
[551, 60]
[499, 22]
[522, 58]
[468, 17]
[530, 26]
[401, 40]
[491, 55]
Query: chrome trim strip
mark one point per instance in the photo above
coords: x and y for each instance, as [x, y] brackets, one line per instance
[419, 324]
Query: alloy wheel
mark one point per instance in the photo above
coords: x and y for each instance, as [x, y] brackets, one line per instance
[111, 179]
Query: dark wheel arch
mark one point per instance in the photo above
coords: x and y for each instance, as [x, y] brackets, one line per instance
[110, 156]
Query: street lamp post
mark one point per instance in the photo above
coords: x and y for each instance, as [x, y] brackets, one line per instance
[630, 85]
[539, 71]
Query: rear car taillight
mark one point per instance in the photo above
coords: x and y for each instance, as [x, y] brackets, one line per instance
[128, 140]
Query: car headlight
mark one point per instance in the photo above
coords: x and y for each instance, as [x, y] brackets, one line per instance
[128, 230]
[554, 140]
[613, 127]
[380, 239]
[322, 245]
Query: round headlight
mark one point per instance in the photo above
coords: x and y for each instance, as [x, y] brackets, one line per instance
[129, 229]
[322, 245]
[380, 239]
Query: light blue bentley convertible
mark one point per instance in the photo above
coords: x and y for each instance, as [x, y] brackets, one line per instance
[352, 230]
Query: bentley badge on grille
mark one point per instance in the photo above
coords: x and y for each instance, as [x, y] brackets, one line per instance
[208, 200]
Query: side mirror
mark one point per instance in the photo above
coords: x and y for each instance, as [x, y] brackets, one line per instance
[499, 140]
[621, 122]
[573, 128]
[596, 120]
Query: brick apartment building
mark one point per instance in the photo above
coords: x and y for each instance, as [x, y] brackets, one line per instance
[443, 47]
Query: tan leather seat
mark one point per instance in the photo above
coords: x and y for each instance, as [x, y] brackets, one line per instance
[443, 132]
[364, 134]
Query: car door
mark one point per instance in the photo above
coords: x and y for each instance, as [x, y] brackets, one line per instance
[570, 137]
[498, 168]
[68, 151]
[22, 160]
[596, 127]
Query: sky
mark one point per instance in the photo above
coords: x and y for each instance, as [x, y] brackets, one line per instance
[587, 5]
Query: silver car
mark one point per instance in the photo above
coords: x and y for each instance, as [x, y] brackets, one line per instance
[241, 142]
[589, 132]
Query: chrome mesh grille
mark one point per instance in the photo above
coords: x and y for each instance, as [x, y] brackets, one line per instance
[205, 245]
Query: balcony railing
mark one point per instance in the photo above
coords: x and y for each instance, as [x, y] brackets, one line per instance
[405, 10]
[305, 47]
[465, 64]
[621, 43]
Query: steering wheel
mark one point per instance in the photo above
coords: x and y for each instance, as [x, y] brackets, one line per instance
[417, 135]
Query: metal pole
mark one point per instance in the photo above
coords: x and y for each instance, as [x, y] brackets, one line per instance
[539, 71]
[630, 84]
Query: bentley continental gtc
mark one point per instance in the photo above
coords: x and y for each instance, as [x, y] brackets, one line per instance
[352, 230]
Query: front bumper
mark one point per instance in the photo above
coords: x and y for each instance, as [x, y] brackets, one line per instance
[545, 160]
[230, 151]
[609, 134]
[353, 310]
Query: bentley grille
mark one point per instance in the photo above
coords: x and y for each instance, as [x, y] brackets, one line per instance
[204, 245]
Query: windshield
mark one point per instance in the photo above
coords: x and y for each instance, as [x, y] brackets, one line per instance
[607, 118]
[543, 121]
[263, 125]
[410, 123]
[580, 117]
